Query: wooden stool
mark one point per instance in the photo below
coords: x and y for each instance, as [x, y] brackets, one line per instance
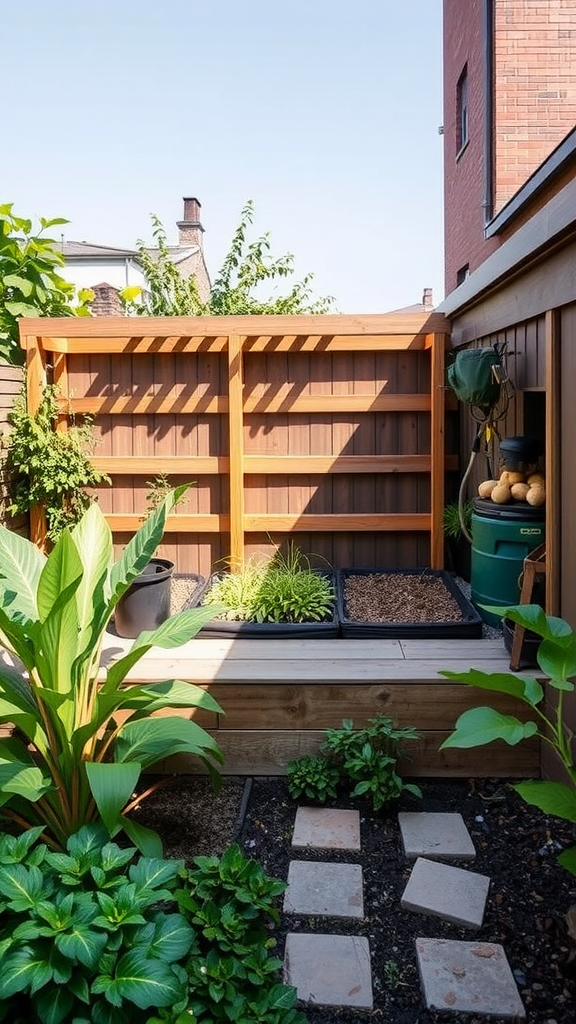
[534, 565]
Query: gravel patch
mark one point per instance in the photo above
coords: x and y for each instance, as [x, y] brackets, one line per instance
[399, 597]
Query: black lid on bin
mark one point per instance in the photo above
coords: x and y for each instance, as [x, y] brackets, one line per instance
[520, 449]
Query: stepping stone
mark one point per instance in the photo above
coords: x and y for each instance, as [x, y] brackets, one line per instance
[444, 891]
[332, 890]
[329, 970]
[468, 977]
[326, 828]
[435, 835]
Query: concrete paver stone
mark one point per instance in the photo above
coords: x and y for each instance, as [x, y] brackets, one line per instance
[326, 828]
[329, 970]
[439, 836]
[444, 891]
[317, 887]
[468, 977]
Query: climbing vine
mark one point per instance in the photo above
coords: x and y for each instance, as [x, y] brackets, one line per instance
[49, 468]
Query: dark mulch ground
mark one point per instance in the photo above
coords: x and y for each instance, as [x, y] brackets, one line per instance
[516, 846]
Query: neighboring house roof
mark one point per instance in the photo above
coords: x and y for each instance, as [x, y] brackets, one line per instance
[88, 250]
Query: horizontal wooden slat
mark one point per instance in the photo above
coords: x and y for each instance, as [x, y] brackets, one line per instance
[336, 523]
[281, 401]
[268, 464]
[423, 705]
[336, 343]
[121, 522]
[267, 752]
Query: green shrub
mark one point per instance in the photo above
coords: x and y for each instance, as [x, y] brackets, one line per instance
[367, 757]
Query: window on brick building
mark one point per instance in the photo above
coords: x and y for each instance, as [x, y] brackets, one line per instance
[462, 110]
[462, 274]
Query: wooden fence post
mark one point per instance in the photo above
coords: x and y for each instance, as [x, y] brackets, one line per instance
[236, 446]
[437, 413]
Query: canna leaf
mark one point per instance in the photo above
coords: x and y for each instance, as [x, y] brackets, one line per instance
[21, 564]
[525, 688]
[112, 785]
[482, 725]
[551, 797]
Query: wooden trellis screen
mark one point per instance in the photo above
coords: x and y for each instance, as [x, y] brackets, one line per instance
[331, 427]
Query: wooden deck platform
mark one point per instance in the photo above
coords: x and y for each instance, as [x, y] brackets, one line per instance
[280, 695]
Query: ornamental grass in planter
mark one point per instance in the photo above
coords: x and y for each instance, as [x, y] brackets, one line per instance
[279, 597]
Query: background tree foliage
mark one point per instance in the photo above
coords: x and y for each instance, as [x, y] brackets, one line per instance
[30, 284]
[246, 267]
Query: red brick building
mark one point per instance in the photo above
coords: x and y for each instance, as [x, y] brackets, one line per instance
[509, 100]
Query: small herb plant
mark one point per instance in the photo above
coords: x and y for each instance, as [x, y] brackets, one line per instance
[366, 757]
[50, 468]
[556, 657]
[283, 589]
[98, 935]
[314, 777]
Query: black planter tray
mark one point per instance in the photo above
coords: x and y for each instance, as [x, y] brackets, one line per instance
[469, 627]
[222, 628]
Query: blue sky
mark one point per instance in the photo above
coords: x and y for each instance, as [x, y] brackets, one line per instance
[324, 112]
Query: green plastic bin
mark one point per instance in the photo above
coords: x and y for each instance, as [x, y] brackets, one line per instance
[502, 537]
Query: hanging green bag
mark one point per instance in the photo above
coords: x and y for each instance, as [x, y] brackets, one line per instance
[475, 376]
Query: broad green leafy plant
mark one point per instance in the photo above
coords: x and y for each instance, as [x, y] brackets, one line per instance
[48, 467]
[246, 267]
[91, 935]
[84, 742]
[557, 659]
[30, 284]
[312, 776]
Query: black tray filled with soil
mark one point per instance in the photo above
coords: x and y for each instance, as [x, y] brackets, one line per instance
[404, 604]
[219, 628]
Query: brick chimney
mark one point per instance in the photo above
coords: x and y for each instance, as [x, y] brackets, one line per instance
[190, 230]
[427, 300]
[106, 301]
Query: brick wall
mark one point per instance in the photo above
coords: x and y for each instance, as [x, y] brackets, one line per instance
[535, 95]
[464, 172]
[534, 108]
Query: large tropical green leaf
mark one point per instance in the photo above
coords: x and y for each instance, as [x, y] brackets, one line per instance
[525, 688]
[142, 546]
[82, 942]
[112, 785]
[57, 604]
[93, 539]
[173, 693]
[478, 726]
[551, 797]
[153, 739]
[20, 566]
[147, 841]
[141, 980]
[557, 658]
[23, 779]
[20, 638]
[17, 704]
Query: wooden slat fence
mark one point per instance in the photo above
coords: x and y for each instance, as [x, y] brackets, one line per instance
[328, 427]
[11, 378]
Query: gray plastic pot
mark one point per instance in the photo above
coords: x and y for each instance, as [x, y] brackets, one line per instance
[146, 603]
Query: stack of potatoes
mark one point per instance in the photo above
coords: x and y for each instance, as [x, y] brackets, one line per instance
[515, 487]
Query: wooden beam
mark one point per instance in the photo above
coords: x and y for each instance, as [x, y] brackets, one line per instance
[218, 465]
[321, 324]
[236, 449]
[553, 463]
[337, 523]
[126, 522]
[284, 401]
[437, 416]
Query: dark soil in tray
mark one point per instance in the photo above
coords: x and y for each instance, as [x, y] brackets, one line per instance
[516, 847]
[405, 604]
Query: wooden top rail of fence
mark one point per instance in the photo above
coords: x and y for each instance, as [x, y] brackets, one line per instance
[63, 343]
